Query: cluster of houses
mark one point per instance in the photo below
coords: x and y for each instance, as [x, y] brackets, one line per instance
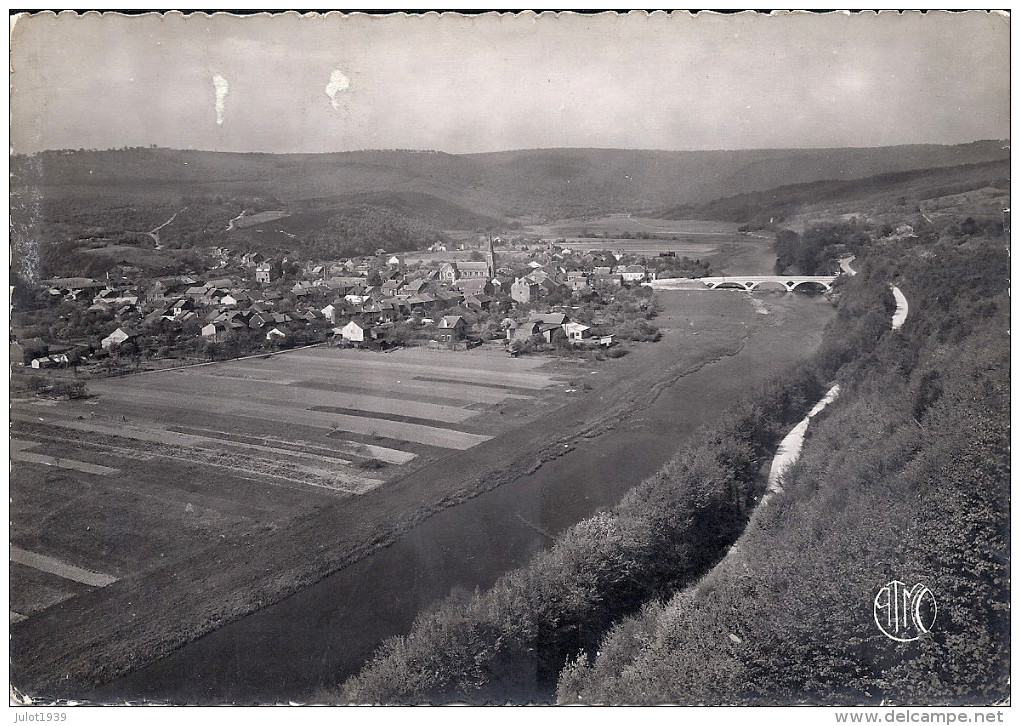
[550, 327]
[35, 353]
[452, 330]
[357, 298]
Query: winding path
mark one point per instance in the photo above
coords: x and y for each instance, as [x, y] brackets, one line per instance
[155, 233]
[230, 225]
[789, 448]
[902, 307]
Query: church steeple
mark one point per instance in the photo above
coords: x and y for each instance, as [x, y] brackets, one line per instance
[490, 259]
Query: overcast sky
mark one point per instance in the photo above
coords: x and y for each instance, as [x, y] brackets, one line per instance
[485, 83]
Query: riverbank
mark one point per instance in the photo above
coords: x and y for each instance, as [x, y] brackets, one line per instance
[543, 478]
[511, 642]
[100, 637]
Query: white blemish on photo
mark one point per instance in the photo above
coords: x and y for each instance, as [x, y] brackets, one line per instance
[338, 82]
[222, 88]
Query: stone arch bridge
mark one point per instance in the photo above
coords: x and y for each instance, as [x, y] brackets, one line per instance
[753, 282]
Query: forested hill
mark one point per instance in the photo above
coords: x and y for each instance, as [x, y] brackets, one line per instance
[554, 183]
[906, 479]
[689, 591]
[631, 180]
[758, 208]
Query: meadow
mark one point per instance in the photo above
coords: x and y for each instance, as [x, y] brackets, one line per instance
[612, 225]
[718, 243]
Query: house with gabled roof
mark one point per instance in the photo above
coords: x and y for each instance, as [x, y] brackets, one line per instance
[432, 302]
[550, 285]
[548, 325]
[266, 272]
[478, 302]
[115, 338]
[331, 311]
[355, 332]
[551, 318]
[259, 321]
[524, 291]
[415, 287]
[633, 273]
[179, 311]
[51, 361]
[476, 286]
[576, 331]
[23, 352]
[501, 284]
[310, 316]
[577, 281]
[388, 311]
[157, 290]
[452, 328]
[214, 331]
[448, 298]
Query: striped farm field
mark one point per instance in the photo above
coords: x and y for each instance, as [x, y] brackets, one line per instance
[163, 463]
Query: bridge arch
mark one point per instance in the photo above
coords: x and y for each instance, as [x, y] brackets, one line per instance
[817, 285]
[731, 285]
[753, 282]
[770, 285]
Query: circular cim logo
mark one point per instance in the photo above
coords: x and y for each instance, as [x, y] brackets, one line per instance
[905, 613]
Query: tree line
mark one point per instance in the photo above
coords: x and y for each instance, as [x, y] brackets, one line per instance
[905, 478]
[512, 641]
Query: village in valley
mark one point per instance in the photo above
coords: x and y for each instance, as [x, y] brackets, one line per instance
[402, 358]
[524, 295]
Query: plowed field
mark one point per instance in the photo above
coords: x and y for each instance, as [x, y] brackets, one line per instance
[156, 466]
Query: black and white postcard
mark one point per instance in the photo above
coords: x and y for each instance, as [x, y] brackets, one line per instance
[510, 358]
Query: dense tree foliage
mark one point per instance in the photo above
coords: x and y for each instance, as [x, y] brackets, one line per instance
[555, 183]
[816, 251]
[511, 641]
[906, 479]
[769, 208]
[364, 230]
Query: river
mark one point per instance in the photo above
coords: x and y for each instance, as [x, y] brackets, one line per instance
[309, 642]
